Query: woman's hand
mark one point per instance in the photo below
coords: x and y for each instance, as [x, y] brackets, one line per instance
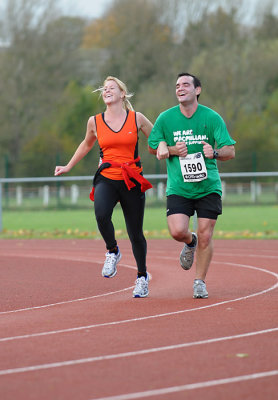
[59, 170]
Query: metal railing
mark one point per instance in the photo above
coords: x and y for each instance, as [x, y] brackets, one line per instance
[156, 177]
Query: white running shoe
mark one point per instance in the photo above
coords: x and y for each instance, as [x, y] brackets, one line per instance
[110, 265]
[199, 289]
[187, 254]
[141, 287]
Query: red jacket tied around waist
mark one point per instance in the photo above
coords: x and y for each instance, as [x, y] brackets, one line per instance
[127, 173]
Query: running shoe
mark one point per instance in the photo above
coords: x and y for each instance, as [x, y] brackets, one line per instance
[141, 287]
[187, 254]
[199, 289]
[110, 265]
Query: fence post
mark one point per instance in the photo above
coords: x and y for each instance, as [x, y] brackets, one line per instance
[45, 194]
[19, 195]
[7, 165]
[58, 183]
[1, 227]
[223, 183]
[253, 188]
[276, 189]
[74, 193]
[195, 222]
[160, 190]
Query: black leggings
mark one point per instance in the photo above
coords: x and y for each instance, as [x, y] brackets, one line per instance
[107, 193]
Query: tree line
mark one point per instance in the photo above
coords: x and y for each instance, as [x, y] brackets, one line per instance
[50, 63]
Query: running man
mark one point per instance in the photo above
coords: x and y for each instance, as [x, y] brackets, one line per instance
[192, 137]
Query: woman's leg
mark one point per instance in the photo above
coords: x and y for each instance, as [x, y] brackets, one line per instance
[133, 206]
[106, 198]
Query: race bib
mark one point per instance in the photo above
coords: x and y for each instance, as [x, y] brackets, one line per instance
[193, 167]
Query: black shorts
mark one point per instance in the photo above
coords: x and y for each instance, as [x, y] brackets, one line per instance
[209, 206]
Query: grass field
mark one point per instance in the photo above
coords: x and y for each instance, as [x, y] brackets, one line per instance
[236, 222]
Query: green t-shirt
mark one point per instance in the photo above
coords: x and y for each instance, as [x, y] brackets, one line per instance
[204, 125]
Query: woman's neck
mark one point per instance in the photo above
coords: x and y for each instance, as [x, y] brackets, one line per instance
[115, 111]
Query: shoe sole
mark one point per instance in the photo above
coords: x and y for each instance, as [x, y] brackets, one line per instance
[110, 276]
[137, 296]
[199, 296]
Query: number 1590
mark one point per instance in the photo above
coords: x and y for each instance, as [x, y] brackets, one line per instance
[193, 167]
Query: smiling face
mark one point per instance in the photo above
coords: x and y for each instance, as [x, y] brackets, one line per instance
[111, 92]
[185, 90]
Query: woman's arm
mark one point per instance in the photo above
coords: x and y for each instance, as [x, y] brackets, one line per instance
[144, 124]
[85, 146]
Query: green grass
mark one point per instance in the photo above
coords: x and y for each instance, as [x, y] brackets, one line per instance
[236, 222]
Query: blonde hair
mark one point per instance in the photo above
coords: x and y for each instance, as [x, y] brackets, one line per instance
[123, 88]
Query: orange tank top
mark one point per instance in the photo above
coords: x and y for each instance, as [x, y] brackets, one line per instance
[120, 147]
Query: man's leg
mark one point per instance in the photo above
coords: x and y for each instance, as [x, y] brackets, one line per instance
[205, 246]
[178, 227]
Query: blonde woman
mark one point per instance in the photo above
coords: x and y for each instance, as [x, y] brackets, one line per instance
[119, 176]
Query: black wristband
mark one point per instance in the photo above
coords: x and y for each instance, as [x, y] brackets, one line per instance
[215, 154]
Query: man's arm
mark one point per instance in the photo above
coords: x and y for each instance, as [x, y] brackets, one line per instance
[163, 151]
[225, 153]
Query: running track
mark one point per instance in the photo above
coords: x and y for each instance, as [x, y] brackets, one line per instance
[66, 333]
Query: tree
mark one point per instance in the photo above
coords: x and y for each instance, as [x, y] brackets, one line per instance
[60, 134]
[269, 27]
[136, 45]
[39, 59]
[238, 72]
[45, 72]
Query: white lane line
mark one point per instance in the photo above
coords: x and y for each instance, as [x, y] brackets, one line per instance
[131, 353]
[113, 323]
[75, 300]
[101, 295]
[124, 289]
[216, 254]
[191, 386]
[66, 301]
[50, 257]
[85, 259]
[246, 255]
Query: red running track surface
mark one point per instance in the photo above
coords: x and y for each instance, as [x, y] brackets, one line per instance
[68, 333]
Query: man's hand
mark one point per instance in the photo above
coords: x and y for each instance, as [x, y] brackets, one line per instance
[162, 151]
[181, 149]
[208, 150]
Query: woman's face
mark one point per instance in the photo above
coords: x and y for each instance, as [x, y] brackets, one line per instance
[111, 92]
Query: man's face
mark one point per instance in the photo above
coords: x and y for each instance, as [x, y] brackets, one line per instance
[185, 91]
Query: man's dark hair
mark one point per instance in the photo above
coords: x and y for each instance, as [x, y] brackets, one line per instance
[196, 81]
